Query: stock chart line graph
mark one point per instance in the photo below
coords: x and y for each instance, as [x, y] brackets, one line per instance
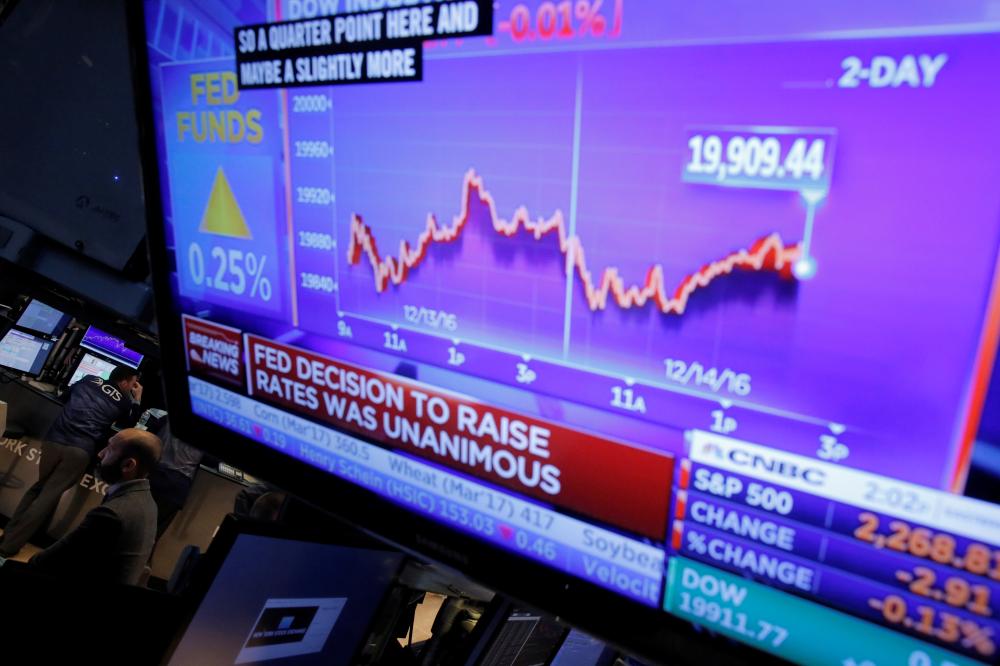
[768, 253]
[564, 232]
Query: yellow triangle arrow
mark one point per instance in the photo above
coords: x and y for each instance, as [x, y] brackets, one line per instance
[223, 216]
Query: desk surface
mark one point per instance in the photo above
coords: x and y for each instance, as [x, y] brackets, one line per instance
[8, 377]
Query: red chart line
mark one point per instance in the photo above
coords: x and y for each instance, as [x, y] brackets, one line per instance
[768, 253]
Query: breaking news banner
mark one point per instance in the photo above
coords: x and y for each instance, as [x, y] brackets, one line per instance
[385, 44]
[623, 485]
[213, 350]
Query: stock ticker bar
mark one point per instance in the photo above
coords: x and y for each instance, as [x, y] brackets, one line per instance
[921, 616]
[619, 563]
[979, 595]
[459, 439]
[792, 628]
[967, 521]
[917, 560]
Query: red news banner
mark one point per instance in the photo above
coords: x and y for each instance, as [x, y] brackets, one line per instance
[213, 350]
[609, 481]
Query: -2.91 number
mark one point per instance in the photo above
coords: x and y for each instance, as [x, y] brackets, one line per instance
[954, 591]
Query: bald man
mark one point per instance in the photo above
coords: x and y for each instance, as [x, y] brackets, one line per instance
[115, 539]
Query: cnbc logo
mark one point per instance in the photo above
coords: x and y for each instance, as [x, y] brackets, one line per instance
[289, 627]
[757, 461]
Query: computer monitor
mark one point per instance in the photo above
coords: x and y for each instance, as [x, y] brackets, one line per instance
[634, 311]
[262, 593]
[24, 352]
[43, 319]
[581, 649]
[91, 365]
[526, 638]
[104, 343]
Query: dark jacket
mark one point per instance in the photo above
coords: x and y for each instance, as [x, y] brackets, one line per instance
[112, 544]
[92, 406]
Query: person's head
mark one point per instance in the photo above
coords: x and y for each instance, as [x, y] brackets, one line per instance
[131, 454]
[125, 378]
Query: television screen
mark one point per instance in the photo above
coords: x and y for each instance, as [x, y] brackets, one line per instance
[91, 365]
[43, 319]
[97, 340]
[24, 352]
[634, 310]
[276, 597]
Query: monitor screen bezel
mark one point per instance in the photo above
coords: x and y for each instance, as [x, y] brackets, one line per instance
[232, 527]
[650, 633]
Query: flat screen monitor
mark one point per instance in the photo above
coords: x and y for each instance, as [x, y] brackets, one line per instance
[92, 365]
[525, 638]
[581, 649]
[104, 343]
[41, 318]
[264, 595]
[24, 352]
[644, 313]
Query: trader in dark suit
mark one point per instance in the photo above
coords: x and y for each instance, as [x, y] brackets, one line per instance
[92, 407]
[115, 539]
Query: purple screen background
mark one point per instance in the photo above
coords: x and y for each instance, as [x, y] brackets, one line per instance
[882, 340]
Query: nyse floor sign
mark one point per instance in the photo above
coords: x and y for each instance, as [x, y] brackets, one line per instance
[19, 463]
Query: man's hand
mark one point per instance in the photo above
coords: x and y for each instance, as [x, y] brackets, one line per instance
[137, 391]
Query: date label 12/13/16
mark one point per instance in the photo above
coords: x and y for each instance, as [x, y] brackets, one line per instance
[430, 318]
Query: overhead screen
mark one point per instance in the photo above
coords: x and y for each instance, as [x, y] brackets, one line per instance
[278, 598]
[692, 305]
[104, 343]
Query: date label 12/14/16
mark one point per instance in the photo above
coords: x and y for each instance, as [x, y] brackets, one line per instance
[714, 379]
